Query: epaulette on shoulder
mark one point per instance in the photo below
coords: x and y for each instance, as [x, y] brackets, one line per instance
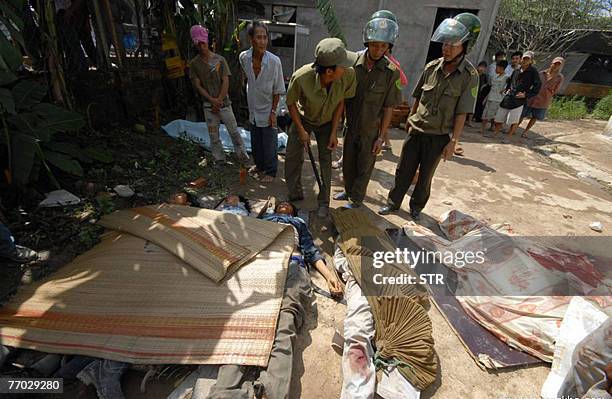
[433, 63]
[392, 66]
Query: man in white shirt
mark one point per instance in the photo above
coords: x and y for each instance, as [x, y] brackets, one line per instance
[265, 84]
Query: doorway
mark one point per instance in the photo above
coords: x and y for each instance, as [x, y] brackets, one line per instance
[435, 49]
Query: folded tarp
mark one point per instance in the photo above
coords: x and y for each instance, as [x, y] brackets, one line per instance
[130, 299]
[198, 131]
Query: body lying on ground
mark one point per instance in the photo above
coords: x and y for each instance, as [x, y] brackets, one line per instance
[286, 213]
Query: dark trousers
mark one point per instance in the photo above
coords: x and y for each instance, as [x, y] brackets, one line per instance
[420, 152]
[276, 378]
[264, 144]
[294, 159]
[358, 163]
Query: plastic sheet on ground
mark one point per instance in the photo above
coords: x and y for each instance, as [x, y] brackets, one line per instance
[358, 372]
[519, 293]
[198, 131]
[581, 318]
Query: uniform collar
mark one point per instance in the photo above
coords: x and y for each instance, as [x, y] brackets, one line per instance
[362, 60]
[462, 67]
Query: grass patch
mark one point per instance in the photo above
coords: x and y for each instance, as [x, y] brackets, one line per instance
[568, 108]
[603, 108]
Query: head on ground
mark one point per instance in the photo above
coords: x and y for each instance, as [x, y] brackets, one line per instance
[286, 208]
[258, 34]
[236, 200]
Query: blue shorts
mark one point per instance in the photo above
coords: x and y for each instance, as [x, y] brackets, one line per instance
[537, 113]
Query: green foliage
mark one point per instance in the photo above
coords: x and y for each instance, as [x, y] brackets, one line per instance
[569, 14]
[27, 123]
[326, 8]
[568, 108]
[106, 203]
[603, 108]
[89, 235]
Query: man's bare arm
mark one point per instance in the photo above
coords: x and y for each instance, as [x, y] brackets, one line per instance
[224, 88]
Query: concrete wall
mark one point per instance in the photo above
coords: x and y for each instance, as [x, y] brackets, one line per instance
[416, 21]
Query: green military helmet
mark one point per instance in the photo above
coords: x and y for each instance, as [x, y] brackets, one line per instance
[450, 31]
[384, 14]
[380, 30]
[472, 23]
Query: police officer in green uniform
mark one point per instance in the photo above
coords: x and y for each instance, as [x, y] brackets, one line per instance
[315, 99]
[445, 93]
[368, 114]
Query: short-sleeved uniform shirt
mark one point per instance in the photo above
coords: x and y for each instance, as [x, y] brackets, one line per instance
[376, 89]
[315, 103]
[210, 74]
[441, 97]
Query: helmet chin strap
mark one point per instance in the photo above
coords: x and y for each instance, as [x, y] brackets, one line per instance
[372, 59]
[459, 57]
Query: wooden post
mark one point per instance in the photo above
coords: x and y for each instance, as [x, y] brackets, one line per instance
[111, 25]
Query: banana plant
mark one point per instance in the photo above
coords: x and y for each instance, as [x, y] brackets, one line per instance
[28, 123]
[326, 8]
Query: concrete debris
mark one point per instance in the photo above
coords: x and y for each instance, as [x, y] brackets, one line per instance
[59, 198]
[124, 191]
[596, 226]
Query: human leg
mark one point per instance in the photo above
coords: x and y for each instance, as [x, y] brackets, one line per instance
[269, 145]
[294, 159]
[430, 154]
[405, 171]
[228, 118]
[212, 123]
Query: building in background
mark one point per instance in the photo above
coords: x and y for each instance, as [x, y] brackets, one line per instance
[417, 20]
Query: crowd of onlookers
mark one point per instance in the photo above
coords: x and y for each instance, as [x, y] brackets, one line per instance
[511, 92]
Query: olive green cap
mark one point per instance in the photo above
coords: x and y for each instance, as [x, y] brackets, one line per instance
[331, 51]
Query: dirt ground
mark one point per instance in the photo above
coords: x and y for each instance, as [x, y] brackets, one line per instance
[553, 184]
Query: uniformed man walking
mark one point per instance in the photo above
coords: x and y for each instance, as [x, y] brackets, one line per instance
[315, 99]
[368, 114]
[445, 93]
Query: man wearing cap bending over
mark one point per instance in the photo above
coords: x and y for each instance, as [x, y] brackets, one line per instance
[209, 74]
[368, 114]
[445, 93]
[315, 99]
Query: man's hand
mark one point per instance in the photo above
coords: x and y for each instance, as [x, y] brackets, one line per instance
[334, 285]
[303, 136]
[217, 103]
[520, 94]
[377, 147]
[448, 151]
[272, 119]
[333, 141]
